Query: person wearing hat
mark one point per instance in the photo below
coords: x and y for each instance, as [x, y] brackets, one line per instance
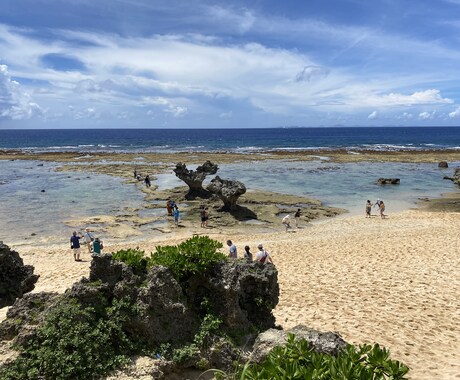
[262, 256]
[89, 238]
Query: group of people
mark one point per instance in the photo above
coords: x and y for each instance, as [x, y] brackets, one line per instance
[173, 210]
[138, 176]
[262, 254]
[379, 204]
[204, 216]
[94, 244]
[286, 222]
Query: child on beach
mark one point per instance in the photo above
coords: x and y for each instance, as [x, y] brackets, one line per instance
[176, 215]
[147, 181]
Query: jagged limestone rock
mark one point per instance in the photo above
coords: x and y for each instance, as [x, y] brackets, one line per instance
[16, 279]
[194, 178]
[228, 191]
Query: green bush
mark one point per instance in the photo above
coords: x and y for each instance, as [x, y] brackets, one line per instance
[74, 342]
[193, 256]
[135, 258]
[297, 360]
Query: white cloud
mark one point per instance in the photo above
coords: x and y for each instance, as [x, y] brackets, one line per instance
[426, 115]
[312, 72]
[15, 103]
[455, 114]
[373, 115]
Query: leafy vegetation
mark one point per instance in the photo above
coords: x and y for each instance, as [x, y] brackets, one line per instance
[193, 256]
[209, 326]
[135, 258]
[74, 342]
[297, 360]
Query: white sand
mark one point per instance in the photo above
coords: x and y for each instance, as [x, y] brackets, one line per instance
[394, 281]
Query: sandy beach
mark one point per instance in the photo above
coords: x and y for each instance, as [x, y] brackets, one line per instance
[392, 281]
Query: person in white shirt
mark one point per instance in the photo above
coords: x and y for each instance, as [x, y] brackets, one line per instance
[89, 238]
[287, 222]
[262, 255]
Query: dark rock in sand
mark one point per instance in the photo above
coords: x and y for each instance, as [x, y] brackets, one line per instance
[16, 279]
[227, 190]
[194, 178]
[388, 181]
[443, 165]
[323, 342]
[25, 315]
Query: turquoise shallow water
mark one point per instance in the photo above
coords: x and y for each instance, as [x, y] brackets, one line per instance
[26, 210]
[346, 185]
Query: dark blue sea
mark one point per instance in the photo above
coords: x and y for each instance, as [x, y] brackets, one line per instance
[231, 140]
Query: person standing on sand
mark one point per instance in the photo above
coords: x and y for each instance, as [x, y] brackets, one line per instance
[262, 256]
[168, 207]
[75, 246]
[147, 181]
[233, 252]
[202, 216]
[89, 238]
[382, 209]
[286, 222]
[97, 246]
[176, 215]
[368, 208]
[206, 216]
[297, 217]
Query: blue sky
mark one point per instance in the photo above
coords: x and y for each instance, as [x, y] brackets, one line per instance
[229, 64]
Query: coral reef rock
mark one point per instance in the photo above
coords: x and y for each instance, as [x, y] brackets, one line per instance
[16, 279]
[388, 181]
[227, 190]
[323, 342]
[443, 165]
[194, 178]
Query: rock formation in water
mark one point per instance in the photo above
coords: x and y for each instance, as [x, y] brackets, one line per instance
[388, 181]
[194, 178]
[15, 277]
[443, 165]
[228, 191]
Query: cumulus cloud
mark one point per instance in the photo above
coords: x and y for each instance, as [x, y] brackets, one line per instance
[431, 96]
[15, 104]
[373, 115]
[167, 105]
[426, 115]
[405, 116]
[455, 114]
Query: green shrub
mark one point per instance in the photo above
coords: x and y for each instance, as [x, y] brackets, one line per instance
[209, 326]
[297, 360]
[74, 343]
[135, 258]
[193, 256]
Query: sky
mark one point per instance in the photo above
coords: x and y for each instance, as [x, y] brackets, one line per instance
[229, 64]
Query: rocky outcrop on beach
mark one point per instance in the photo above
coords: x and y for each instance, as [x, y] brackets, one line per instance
[455, 177]
[242, 294]
[16, 279]
[194, 178]
[323, 342]
[388, 181]
[228, 191]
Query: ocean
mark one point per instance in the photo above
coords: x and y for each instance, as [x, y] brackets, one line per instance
[29, 215]
[231, 140]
